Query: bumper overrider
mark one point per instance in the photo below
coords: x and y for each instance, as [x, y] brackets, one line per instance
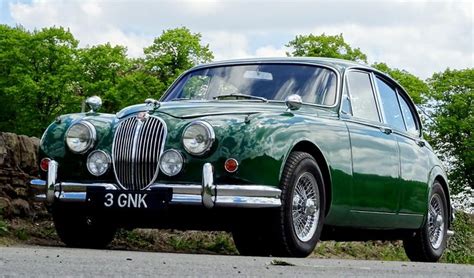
[206, 194]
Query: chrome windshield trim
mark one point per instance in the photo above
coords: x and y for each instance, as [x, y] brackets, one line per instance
[241, 63]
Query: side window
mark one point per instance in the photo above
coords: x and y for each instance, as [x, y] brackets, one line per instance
[391, 108]
[346, 102]
[409, 118]
[362, 96]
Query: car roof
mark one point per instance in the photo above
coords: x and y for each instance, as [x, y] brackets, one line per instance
[338, 64]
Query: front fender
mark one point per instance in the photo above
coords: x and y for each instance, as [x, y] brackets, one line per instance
[53, 143]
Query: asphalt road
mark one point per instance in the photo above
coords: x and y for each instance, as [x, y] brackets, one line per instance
[32, 261]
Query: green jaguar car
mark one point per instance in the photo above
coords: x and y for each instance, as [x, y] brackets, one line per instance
[280, 152]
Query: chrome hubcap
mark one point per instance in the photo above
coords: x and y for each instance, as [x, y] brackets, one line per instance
[436, 221]
[305, 209]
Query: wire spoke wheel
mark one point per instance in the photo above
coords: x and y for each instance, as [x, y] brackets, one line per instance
[305, 207]
[436, 221]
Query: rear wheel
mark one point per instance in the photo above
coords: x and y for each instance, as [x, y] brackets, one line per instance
[76, 228]
[429, 242]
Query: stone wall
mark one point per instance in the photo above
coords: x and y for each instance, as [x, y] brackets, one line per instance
[18, 165]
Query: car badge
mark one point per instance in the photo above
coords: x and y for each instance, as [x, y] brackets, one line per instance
[142, 116]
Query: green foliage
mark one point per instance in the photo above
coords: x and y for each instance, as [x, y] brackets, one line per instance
[325, 46]
[415, 87]
[461, 245]
[175, 51]
[36, 77]
[22, 234]
[43, 73]
[101, 68]
[452, 95]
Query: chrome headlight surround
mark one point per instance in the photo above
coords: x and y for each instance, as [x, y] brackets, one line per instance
[198, 138]
[106, 161]
[165, 162]
[90, 137]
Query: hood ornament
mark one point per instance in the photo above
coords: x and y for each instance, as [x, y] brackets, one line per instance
[152, 102]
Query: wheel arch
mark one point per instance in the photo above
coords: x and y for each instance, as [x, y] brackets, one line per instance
[438, 174]
[315, 152]
[444, 185]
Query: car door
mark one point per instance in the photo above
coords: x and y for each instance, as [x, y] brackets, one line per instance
[414, 166]
[375, 155]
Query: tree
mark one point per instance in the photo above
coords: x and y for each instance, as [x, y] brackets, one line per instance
[136, 86]
[12, 41]
[325, 46]
[175, 51]
[101, 69]
[415, 87]
[452, 95]
[37, 76]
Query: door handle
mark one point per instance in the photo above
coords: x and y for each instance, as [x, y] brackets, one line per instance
[420, 143]
[386, 130]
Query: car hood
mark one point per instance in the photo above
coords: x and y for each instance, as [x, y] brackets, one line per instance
[194, 109]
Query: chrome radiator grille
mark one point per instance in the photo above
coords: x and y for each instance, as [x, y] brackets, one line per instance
[136, 150]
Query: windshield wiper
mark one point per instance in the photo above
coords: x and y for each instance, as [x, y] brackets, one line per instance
[242, 96]
[180, 98]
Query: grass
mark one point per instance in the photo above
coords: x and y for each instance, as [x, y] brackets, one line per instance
[42, 232]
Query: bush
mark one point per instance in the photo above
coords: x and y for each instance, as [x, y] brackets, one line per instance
[461, 245]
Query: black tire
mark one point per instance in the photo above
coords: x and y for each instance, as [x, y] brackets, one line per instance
[419, 247]
[77, 229]
[285, 240]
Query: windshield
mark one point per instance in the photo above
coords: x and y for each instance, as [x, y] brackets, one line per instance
[314, 84]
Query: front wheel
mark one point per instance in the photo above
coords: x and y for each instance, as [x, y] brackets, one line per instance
[429, 242]
[78, 229]
[299, 221]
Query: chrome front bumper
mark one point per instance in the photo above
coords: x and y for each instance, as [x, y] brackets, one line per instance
[206, 194]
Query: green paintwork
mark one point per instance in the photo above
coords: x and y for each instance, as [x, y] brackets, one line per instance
[368, 187]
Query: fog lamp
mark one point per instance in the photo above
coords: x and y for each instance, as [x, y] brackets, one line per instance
[171, 162]
[98, 162]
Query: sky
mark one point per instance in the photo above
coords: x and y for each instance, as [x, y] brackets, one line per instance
[421, 37]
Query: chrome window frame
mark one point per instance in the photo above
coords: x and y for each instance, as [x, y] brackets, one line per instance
[413, 115]
[400, 93]
[375, 97]
[390, 84]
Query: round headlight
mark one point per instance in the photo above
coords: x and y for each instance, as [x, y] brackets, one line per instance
[171, 162]
[98, 163]
[198, 137]
[80, 137]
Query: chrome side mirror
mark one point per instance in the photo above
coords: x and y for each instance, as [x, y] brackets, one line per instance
[94, 103]
[293, 102]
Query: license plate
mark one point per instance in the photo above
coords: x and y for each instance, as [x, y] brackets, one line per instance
[122, 199]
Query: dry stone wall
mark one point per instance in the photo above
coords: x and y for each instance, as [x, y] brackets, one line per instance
[18, 165]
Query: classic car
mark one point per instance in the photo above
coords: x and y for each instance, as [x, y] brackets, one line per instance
[280, 152]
